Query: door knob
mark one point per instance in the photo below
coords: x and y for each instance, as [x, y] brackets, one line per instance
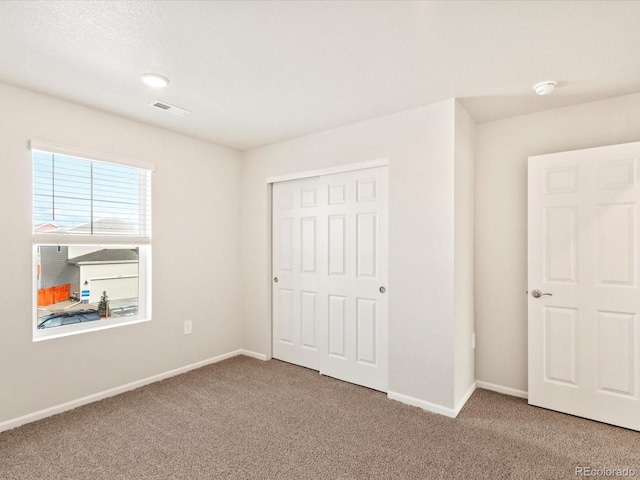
[275, 279]
[382, 289]
[537, 294]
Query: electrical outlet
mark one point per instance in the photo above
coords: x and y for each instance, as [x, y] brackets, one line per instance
[188, 327]
[473, 341]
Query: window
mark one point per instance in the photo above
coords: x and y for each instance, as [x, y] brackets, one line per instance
[91, 241]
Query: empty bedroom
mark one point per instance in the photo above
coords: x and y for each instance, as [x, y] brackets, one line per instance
[319, 239]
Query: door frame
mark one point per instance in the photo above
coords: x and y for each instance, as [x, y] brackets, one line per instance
[347, 167]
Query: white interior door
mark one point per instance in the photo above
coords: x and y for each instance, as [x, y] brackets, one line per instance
[584, 337]
[330, 262]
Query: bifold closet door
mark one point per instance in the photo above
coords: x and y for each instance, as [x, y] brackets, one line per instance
[330, 275]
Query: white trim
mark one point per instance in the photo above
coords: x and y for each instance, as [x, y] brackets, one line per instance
[89, 155]
[433, 407]
[249, 353]
[465, 399]
[63, 407]
[500, 389]
[423, 404]
[349, 167]
[84, 327]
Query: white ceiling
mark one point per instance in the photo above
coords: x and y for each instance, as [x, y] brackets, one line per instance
[255, 73]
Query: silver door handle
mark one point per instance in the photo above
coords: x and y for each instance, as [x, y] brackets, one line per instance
[275, 279]
[538, 294]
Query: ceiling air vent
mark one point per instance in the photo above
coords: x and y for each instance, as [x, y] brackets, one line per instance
[180, 112]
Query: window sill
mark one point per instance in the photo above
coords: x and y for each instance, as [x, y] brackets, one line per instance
[41, 335]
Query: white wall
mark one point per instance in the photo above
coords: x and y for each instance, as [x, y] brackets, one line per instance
[419, 144]
[502, 148]
[464, 368]
[195, 257]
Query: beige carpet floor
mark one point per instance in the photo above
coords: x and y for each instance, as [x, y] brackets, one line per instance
[247, 419]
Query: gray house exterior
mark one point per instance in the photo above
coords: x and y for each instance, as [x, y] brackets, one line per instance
[56, 270]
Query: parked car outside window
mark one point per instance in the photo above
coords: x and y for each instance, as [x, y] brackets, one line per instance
[68, 318]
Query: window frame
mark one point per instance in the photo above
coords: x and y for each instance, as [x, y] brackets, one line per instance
[143, 243]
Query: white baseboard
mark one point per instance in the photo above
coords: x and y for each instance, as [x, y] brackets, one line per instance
[433, 407]
[500, 389]
[465, 399]
[63, 407]
[249, 353]
[423, 404]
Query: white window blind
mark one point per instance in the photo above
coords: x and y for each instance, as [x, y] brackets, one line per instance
[77, 198]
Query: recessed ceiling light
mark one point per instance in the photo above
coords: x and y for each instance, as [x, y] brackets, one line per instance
[155, 80]
[545, 88]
